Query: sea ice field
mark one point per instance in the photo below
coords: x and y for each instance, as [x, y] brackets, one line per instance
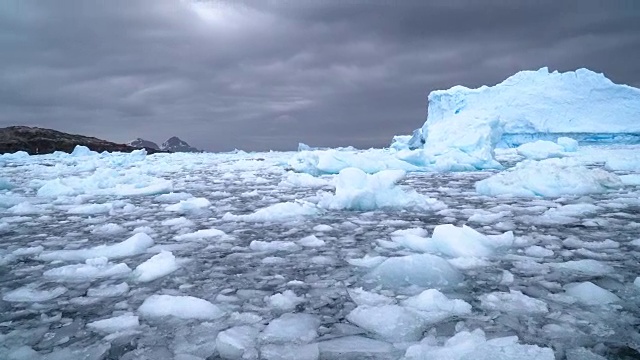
[320, 254]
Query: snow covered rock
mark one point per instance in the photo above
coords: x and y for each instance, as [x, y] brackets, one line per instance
[548, 178]
[142, 143]
[175, 144]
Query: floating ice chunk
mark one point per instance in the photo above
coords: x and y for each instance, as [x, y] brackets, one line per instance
[189, 205]
[25, 208]
[28, 294]
[136, 244]
[23, 353]
[547, 178]
[540, 149]
[576, 243]
[631, 179]
[160, 186]
[311, 241]
[333, 161]
[356, 190]
[237, 343]
[538, 251]
[514, 302]
[391, 322]
[91, 209]
[277, 212]
[433, 306]
[4, 228]
[590, 294]
[108, 229]
[588, 267]
[568, 144]
[156, 267]
[488, 217]
[183, 307]
[623, 163]
[303, 180]
[572, 210]
[178, 222]
[582, 354]
[276, 245]
[201, 234]
[356, 348]
[109, 290]
[362, 297]
[173, 197]
[456, 242]
[468, 263]
[273, 260]
[368, 261]
[115, 324]
[507, 278]
[322, 228]
[35, 250]
[418, 269]
[636, 282]
[92, 269]
[474, 346]
[289, 352]
[285, 301]
[5, 184]
[55, 188]
[80, 150]
[413, 231]
[291, 328]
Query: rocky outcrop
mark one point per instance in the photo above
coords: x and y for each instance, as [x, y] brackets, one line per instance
[175, 144]
[142, 143]
[35, 141]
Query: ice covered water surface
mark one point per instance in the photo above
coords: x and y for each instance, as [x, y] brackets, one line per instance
[105, 260]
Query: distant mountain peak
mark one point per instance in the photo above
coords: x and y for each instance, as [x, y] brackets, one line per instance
[142, 143]
[175, 144]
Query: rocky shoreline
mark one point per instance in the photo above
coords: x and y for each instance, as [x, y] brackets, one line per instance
[34, 141]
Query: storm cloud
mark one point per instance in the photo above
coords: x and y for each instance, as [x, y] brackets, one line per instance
[259, 75]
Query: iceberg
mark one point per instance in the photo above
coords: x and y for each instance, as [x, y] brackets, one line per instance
[528, 106]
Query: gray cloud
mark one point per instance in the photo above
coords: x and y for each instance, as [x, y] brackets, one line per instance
[263, 75]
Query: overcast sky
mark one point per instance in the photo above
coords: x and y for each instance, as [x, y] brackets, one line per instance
[268, 74]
